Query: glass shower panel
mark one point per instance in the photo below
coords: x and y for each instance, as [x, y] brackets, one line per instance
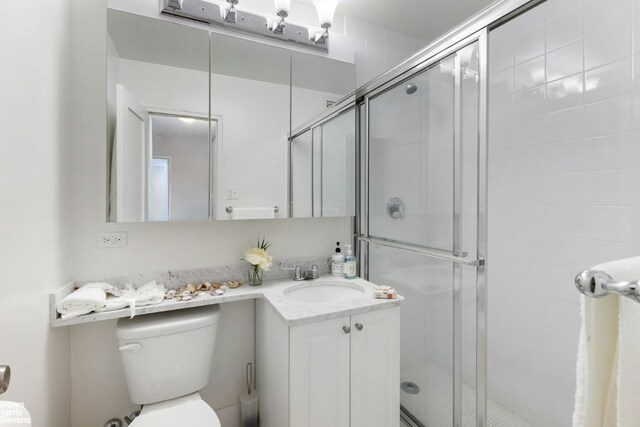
[317, 172]
[301, 176]
[423, 194]
[411, 159]
[338, 165]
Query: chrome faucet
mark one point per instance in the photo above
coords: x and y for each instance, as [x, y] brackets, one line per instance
[299, 275]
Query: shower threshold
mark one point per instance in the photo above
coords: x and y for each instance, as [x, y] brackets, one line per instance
[433, 405]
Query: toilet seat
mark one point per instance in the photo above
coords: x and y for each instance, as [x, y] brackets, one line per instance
[186, 411]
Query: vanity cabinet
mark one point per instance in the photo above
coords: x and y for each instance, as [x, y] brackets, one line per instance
[342, 372]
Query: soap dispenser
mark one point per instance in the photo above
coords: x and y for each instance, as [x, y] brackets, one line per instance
[337, 261]
[349, 270]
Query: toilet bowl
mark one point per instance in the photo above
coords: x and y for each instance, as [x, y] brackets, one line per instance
[167, 359]
[186, 411]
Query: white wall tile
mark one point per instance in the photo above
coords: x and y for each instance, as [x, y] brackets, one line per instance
[529, 44]
[609, 81]
[570, 201]
[564, 29]
[564, 61]
[608, 44]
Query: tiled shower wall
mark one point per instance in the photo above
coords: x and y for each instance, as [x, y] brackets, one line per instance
[564, 175]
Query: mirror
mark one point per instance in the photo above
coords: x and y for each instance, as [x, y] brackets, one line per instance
[322, 151]
[250, 91]
[157, 120]
[199, 125]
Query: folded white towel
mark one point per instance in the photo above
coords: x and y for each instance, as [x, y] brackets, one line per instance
[149, 294]
[107, 287]
[608, 369]
[81, 301]
[253, 213]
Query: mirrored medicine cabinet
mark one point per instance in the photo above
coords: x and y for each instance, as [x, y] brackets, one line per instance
[209, 126]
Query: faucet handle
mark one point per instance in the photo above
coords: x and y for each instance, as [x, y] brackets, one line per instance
[297, 271]
[314, 271]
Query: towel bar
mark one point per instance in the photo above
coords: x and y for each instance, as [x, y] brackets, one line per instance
[229, 209]
[593, 283]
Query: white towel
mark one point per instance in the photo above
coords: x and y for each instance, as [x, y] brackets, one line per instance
[253, 213]
[608, 369]
[81, 301]
[106, 287]
[149, 294]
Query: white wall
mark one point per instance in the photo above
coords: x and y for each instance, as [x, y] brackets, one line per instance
[34, 205]
[152, 247]
[378, 49]
[563, 187]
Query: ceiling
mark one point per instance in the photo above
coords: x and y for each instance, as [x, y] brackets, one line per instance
[425, 19]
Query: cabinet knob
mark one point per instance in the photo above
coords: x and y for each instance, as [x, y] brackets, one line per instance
[346, 329]
[359, 326]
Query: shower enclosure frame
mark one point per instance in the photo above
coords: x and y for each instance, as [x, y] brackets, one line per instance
[364, 240]
[474, 30]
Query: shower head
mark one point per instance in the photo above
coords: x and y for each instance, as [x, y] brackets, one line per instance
[410, 88]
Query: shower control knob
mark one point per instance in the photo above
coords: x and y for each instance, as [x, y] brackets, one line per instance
[346, 329]
[359, 326]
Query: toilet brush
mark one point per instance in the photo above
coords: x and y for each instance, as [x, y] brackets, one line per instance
[249, 401]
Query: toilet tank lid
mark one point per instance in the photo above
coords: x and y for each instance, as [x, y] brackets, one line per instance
[166, 323]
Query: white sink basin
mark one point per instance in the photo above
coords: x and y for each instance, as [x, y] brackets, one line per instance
[325, 291]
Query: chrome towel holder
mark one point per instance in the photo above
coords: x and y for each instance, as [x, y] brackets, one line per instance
[229, 209]
[594, 283]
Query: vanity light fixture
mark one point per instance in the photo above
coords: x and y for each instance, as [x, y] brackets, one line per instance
[228, 16]
[231, 16]
[283, 7]
[325, 9]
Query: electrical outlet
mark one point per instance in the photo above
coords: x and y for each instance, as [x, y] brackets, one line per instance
[112, 240]
[233, 193]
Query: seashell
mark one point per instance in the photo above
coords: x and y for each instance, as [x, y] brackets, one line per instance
[216, 286]
[205, 286]
[202, 294]
[191, 288]
[170, 294]
[219, 292]
[233, 285]
[224, 287]
[185, 293]
[187, 298]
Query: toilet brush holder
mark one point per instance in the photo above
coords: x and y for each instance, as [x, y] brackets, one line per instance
[249, 402]
[249, 409]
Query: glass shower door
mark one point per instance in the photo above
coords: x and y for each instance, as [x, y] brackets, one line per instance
[420, 231]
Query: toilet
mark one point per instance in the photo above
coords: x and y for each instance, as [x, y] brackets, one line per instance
[167, 359]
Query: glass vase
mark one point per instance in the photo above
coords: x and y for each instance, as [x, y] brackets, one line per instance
[255, 276]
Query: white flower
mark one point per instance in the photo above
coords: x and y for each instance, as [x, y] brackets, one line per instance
[266, 262]
[258, 257]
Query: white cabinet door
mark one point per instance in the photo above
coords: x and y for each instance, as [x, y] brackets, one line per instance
[319, 374]
[375, 369]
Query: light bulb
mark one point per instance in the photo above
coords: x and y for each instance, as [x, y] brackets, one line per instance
[282, 6]
[326, 9]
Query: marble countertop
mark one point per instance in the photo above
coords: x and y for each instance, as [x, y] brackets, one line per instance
[293, 312]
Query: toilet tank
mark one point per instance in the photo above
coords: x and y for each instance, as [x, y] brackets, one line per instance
[168, 355]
